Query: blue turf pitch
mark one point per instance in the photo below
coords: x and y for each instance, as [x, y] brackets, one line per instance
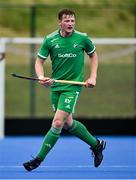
[69, 159]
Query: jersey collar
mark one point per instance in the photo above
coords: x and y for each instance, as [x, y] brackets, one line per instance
[66, 36]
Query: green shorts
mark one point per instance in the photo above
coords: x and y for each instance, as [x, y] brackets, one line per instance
[64, 100]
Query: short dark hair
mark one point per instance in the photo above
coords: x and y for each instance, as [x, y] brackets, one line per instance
[66, 12]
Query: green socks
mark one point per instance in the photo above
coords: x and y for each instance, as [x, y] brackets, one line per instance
[79, 130]
[49, 141]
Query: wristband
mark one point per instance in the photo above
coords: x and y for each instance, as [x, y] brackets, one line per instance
[40, 77]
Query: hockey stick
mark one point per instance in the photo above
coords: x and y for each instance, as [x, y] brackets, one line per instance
[58, 81]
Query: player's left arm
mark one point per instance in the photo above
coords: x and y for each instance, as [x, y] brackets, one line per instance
[91, 81]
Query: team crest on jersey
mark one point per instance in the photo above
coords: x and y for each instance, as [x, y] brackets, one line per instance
[75, 45]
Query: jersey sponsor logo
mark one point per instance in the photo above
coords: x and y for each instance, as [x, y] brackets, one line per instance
[69, 55]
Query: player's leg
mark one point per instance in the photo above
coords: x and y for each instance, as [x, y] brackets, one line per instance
[49, 141]
[75, 127]
[52, 135]
[78, 129]
[58, 103]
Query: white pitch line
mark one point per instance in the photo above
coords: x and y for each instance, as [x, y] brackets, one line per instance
[68, 179]
[76, 166]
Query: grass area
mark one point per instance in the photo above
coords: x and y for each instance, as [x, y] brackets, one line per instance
[114, 19]
[113, 95]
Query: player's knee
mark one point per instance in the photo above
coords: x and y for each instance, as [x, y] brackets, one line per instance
[57, 123]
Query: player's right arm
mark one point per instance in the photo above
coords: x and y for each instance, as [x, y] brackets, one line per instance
[40, 73]
[41, 58]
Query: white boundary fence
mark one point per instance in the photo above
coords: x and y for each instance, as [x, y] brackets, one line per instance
[4, 41]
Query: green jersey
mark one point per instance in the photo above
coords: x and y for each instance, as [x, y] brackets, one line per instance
[67, 57]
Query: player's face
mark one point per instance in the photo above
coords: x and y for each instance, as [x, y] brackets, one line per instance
[67, 24]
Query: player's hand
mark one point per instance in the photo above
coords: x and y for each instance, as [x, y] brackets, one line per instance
[90, 83]
[46, 81]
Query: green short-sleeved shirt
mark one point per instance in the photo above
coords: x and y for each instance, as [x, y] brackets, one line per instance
[67, 57]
